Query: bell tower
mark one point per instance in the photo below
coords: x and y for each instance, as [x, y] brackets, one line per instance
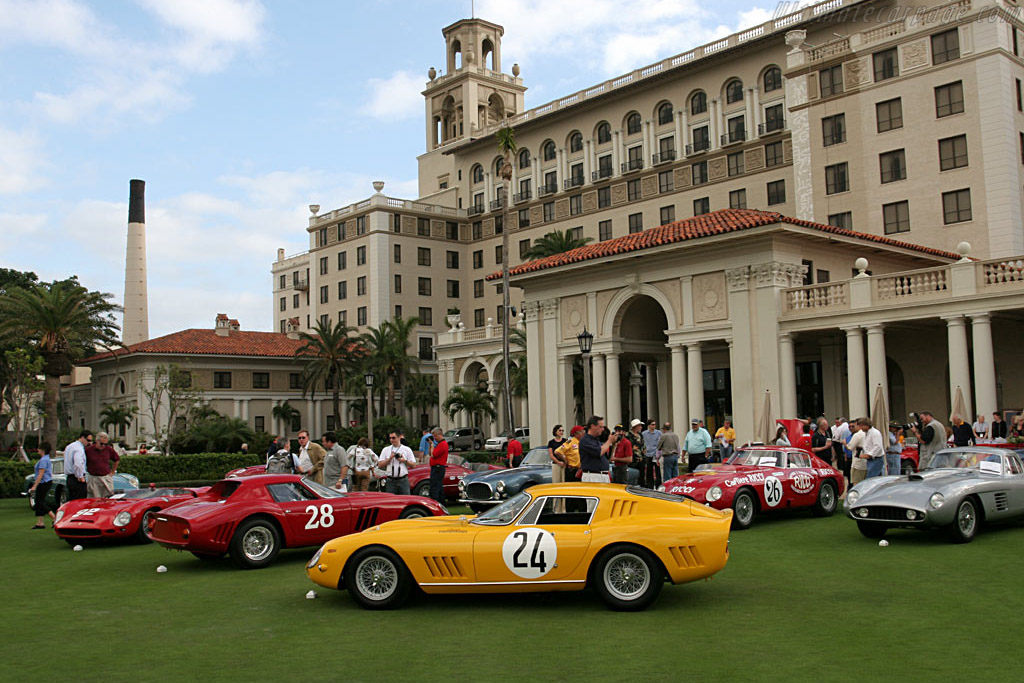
[474, 93]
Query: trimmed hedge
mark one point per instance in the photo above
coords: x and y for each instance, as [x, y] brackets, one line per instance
[12, 477]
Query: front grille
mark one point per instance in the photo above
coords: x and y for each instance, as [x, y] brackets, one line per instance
[885, 513]
[478, 491]
[445, 567]
[686, 556]
[81, 533]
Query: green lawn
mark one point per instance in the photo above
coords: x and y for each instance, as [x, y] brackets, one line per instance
[802, 599]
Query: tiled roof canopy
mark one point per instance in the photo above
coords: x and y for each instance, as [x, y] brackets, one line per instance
[706, 225]
[207, 342]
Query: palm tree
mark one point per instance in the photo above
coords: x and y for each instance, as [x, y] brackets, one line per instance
[287, 414]
[330, 354]
[219, 434]
[518, 376]
[64, 322]
[421, 391]
[388, 349]
[117, 415]
[555, 242]
[506, 138]
[478, 404]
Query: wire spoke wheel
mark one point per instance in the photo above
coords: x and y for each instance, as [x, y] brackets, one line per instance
[376, 578]
[966, 518]
[626, 576]
[258, 543]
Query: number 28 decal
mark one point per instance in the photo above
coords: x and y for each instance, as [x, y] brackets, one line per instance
[322, 517]
[530, 553]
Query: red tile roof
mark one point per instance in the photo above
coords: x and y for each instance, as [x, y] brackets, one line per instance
[209, 343]
[706, 225]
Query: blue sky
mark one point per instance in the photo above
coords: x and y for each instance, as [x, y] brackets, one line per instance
[238, 114]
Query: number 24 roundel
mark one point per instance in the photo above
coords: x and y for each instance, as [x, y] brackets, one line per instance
[530, 553]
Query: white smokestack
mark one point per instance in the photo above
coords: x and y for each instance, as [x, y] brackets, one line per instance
[135, 326]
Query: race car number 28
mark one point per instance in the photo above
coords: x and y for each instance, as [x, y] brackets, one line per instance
[530, 553]
[772, 491]
[323, 517]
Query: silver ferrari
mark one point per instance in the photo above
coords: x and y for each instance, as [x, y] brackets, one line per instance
[961, 489]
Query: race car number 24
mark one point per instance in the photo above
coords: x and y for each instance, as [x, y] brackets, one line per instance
[530, 553]
[772, 491]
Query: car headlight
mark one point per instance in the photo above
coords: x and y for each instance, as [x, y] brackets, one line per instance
[60, 516]
[500, 487]
[936, 500]
[852, 497]
[132, 479]
[714, 493]
[462, 485]
[122, 518]
[316, 558]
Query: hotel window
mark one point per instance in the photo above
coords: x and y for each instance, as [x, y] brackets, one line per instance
[478, 317]
[833, 129]
[422, 256]
[325, 295]
[701, 206]
[524, 218]
[667, 214]
[294, 380]
[283, 282]
[735, 163]
[633, 124]
[478, 259]
[261, 380]
[575, 205]
[361, 286]
[424, 286]
[453, 289]
[949, 99]
[478, 289]
[551, 182]
[524, 246]
[452, 230]
[698, 103]
[776, 192]
[498, 317]
[548, 151]
[946, 46]
[956, 206]
[635, 157]
[841, 220]
[633, 190]
[295, 301]
[1020, 102]
[398, 283]
[667, 148]
[893, 165]
[887, 64]
[575, 142]
[604, 197]
[773, 154]
[701, 139]
[284, 303]
[398, 253]
[398, 311]
[809, 273]
[734, 91]
[361, 315]
[323, 265]
[361, 225]
[772, 79]
[497, 255]
[341, 231]
[342, 260]
[360, 256]
[774, 118]
[343, 317]
[575, 233]
[737, 129]
[896, 217]
[452, 259]
[604, 133]
[831, 80]
[321, 237]
[636, 222]
[666, 182]
[396, 222]
[476, 174]
[665, 114]
[222, 380]
[423, 227]
[343, 289]
[738, 199]
[426, 316]
[478, 230]
[953, 152]
[604, 231]
[837, 178]
[548, 211]
[604, 166]
[699, 171]
[499, 225]
[889, 115]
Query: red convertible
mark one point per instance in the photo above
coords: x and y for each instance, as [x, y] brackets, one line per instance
[252, 518]
[118, 517]
[763, 479]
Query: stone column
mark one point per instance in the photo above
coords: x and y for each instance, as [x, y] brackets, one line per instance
[237, 404]
[652, 390]
[488, 190]
[617, 153]
[680, 404]
[695, 380]
[716, 124]
[787, 376]
[858, 398]
[562, 173]
[535, 366]
[599, 382]
[877, 374]
[588, 164]
[648, 146]
[680, 130]
[309, 417]
[553, 389]
[566, 413]
[985, 398]
[959, 368]
[245, 410]
[664, 400]
[614, 391]
[635, 382]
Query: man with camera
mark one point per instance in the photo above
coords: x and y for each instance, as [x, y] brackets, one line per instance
[931, 437]
[594, 448]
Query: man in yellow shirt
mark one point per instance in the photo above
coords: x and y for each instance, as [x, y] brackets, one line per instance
[726, 437]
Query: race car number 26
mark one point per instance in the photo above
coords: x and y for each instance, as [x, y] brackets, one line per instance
[772, 491]
[530, 553]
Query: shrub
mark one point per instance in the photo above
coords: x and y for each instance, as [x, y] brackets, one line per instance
[12, 478]
[192, 467]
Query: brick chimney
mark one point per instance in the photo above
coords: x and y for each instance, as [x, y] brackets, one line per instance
[293, 328]
[222, 327]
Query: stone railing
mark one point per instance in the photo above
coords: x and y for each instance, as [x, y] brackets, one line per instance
[818, 297]
[384, 202]
[918, 284]
[999, 273]
[829, 49]
[885, 31]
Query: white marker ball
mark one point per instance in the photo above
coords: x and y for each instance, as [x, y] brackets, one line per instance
[161, 569]
[77, 548]
[883, 543]
[311, 595]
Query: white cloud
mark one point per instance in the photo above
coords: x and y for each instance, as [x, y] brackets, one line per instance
[396, 97]
[20, 161]
[212, 29]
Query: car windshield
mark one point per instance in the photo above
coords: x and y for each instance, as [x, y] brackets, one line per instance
[149, 493]
[504, 513]
[321, 490]
[451, 432]
[537, 456]
[983, 462]
[758, 457]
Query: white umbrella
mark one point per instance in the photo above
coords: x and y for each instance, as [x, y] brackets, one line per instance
[766, 426]
[880, 419]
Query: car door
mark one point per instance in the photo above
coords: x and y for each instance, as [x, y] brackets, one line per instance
[802, 480]
[308, 518]
[547, 544]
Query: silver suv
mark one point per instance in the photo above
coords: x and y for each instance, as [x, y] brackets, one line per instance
[464, 438]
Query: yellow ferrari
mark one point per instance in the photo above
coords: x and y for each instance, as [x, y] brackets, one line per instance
[624, 541]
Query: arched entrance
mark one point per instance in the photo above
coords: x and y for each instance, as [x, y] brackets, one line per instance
[639, 327]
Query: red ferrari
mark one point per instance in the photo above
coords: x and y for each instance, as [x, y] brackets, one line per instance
[118, 517]
[254, 517]
[762, 479]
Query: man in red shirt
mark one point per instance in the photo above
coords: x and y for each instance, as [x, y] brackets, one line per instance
[622, 457]
[438, 463]
[515, 452]
[101, 462]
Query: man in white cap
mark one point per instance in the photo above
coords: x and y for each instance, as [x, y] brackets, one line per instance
[697, 445]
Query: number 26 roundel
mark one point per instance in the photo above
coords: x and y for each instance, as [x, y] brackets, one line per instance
[530, 553]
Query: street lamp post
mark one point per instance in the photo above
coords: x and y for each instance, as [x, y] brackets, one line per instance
[368, 377]
[586, 341]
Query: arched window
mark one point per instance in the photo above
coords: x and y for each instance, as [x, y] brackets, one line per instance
[524, 158]
[498, 163]
[772, 79]
[633, 124]
[734, 91]
[698, 102]
[549, 150]
[575, 141]
[477, 173]
[604, 133]
[665, 113]
[121, 388]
